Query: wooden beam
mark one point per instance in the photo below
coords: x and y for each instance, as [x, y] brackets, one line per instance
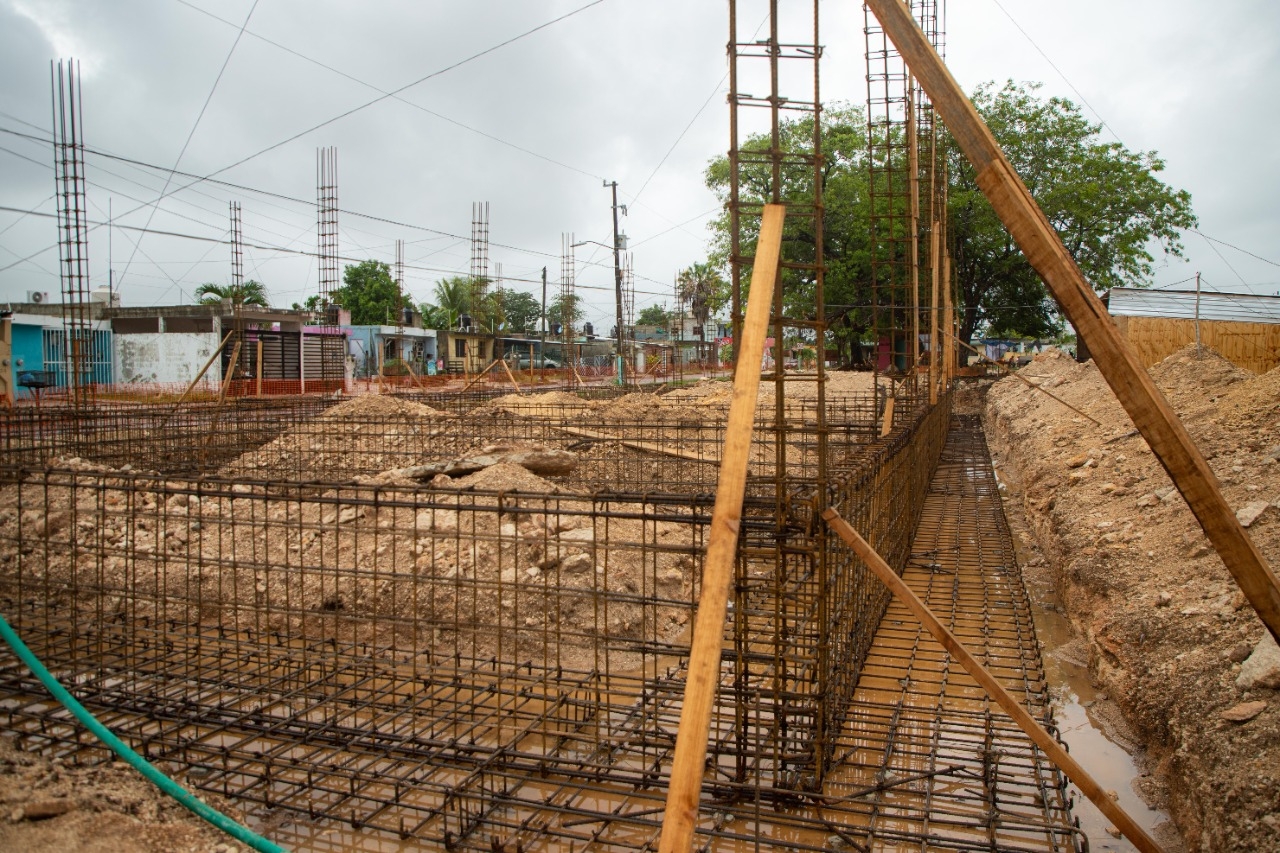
[1116, 360]
[935, 350]
[479, 375]
[217, 352]
[886, 423]
[258, 370]
[717, 569]
[648, 446]
[231, 371]
[511, 376]
[1076, 773]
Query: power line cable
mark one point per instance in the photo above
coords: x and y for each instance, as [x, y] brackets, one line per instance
[209, 99]
[404, 101]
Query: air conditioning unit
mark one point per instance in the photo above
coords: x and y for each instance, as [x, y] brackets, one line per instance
[37, 296]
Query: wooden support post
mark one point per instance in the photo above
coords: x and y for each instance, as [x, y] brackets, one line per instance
[717, 569]
[257, 371]
[510, 375]
[1115, 358]
[231, 372]
[949, 319]
[935, 350]
[481, 374]
[913, 167]
[217, 352]
[7, 393]
[1057, 754]
[886, 423]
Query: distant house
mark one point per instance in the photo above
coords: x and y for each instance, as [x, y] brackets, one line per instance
[38, 350]
[1243, 327]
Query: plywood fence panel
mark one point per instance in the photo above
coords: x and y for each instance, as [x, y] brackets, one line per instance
[1252, 346]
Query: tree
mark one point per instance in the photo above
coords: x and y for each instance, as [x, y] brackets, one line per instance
[1105, 201]
[370, 293]
[434, 317]
[249, 293]
[846, 244]
[566, 310]
[522, 311]
[654, 315]
[311, 303]
[706, 291]
[453, 296]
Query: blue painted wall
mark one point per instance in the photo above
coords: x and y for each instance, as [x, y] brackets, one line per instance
[28, 353]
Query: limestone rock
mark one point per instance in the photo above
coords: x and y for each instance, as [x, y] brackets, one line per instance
[1244, 712]
[1262, 668]
[1251, 512]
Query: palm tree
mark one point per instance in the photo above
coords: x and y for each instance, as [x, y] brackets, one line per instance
[453, 297]
[249, 293]
[703, 288]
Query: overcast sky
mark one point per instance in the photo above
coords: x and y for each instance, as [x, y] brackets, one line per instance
[615, 89]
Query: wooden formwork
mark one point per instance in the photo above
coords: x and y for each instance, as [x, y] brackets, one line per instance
[1252, 346]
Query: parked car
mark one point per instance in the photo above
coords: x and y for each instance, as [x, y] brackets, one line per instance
[522, 363]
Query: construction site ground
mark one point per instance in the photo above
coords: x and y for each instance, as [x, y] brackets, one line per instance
[1184, 667]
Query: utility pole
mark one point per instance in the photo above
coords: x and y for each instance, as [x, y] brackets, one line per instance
[617, 280]
[542, 350]
[1198, 350]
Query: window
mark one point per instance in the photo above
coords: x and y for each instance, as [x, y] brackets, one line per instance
[459, 348]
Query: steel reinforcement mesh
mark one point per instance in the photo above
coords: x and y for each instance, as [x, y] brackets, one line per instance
[322, 626]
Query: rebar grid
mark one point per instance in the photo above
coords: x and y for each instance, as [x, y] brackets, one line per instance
[327, 222]
[282, 637]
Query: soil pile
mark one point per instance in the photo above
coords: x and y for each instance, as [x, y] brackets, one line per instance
[1169, 636]
[363, 435]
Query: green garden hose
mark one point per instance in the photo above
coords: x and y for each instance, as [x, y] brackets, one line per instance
[163, 782]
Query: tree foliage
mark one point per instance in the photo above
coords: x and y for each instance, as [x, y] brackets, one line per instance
[522, 311]
[249, 293]
[1107, 203]
[370, 293]
[653, 315]
[567, 310]
[706, 291]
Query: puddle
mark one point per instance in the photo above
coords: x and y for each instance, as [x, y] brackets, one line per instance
[1076, 706]
[1105, 759]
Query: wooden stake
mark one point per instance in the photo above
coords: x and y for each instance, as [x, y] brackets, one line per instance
[510, 375]
[217, 352]
[886, 423]
[231, 372]
[913, 167]
[481, 374]
[717, 571]
[1115, 358]
[258, 369]
[1059, 756]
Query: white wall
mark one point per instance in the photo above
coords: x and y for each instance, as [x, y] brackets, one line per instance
[167, 357]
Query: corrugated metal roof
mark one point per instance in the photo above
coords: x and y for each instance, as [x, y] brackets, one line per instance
[1181, 305]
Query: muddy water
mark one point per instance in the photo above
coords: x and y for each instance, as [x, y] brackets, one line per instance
[1078, 706]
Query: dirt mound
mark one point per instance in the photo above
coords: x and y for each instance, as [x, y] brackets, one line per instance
[503, 477]
[1165, 626]
[358, 437]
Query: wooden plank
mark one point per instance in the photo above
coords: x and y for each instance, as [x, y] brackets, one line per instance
[681, 815]
[1116, 360]
[511, 376]
[935, 351]
[886, 423]
[1057, 754]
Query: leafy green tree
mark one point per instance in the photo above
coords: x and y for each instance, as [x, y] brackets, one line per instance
[370, 293]
[566, 310]
[249, 293]
[434, 317]
[311, 303]
[654, 315]
[522, 311]
[1105, 201]
[846, 244]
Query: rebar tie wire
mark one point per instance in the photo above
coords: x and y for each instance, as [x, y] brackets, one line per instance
[164, 783]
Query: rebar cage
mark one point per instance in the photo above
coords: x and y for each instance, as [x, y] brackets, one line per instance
[262, 595]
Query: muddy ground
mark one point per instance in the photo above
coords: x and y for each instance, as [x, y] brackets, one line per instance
[1186, 664]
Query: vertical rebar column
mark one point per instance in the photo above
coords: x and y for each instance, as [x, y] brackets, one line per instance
[73, 241]
[479, 247]
[327, 222]
[237, 247]
[568, 302]
[784, 172]
[901, 140]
